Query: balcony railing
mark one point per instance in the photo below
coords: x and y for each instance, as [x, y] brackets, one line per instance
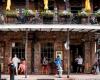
[52, 17]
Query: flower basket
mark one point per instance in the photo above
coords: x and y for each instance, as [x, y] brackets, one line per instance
[47, 13]
[32, 12]
[83, 14]
[97, 13]
[65, 13]
[11, 13]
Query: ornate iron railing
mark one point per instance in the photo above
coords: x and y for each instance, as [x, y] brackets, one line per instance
[50, 17]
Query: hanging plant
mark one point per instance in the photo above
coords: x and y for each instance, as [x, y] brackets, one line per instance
[47, 13]
[83, 13]
[65, 13]
[97, 13]
[26, 12]
[10, 13]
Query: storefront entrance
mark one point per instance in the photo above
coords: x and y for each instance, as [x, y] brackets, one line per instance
[75, 51]
[47, 50]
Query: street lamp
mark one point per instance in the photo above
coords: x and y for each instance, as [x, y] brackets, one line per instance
[66, 45]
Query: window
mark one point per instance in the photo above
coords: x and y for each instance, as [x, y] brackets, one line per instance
[51, 5]
[19, 50]
[47, 50]
[76, 5]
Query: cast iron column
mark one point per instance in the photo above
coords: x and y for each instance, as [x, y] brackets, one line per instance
[0, 71]
[68, 52]
[26, 46]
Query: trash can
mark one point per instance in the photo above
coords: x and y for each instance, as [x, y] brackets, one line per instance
[12, 71]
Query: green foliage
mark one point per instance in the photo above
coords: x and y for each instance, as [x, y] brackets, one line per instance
[10, 13]
[97, 13]
[83, 13]
[65, 13]
[47, 13]
[26, 12]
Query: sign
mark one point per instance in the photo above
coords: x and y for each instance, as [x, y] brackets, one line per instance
[59, 53]
[66, 45]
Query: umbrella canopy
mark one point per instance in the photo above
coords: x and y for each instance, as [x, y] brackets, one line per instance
[8, 5]
[87, 5]
[46, 4]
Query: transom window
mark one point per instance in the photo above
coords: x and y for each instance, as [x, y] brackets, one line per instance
[18, 48]
[47, 50]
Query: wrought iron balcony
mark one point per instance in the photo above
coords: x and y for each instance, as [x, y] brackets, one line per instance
[50, 17]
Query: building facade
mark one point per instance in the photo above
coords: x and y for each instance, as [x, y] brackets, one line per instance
[64, 11]
[61, 5]
[49, 44]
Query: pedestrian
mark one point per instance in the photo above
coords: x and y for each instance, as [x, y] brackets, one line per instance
[79, 64]
[58, 63]
[22, 66]
[97, 67]
[15, 61]
[45, 66]
[75, 65]
[9, 63]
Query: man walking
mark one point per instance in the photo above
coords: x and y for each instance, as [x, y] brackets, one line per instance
[58, 63]
[79, 63]
[15, 61]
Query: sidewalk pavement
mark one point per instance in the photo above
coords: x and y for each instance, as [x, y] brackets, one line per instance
[54, 77]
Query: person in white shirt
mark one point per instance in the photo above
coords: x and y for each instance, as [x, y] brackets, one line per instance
[15, 61]
[79, 63]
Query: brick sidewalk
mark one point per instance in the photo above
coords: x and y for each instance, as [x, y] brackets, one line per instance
[55, 77]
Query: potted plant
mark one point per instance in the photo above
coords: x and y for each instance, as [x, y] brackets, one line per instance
[47, 13]
[47, 16]
[97, 13]
[11, 13]
[83, 13]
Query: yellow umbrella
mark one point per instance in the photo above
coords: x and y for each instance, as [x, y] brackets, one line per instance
[8, 4]
[87, 5]
[46, 4]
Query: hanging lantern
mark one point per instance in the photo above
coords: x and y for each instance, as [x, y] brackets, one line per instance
[87, 6]
[8, 5]
[46, 4]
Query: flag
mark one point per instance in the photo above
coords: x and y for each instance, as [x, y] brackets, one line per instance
[8, 4]
[46, 4]
[87, 6]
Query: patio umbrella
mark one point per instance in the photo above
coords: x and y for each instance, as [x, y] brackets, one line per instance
[87, 5]
[46, 4]
[8, 5]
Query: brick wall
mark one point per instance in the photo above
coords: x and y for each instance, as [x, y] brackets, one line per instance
[57, 38]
